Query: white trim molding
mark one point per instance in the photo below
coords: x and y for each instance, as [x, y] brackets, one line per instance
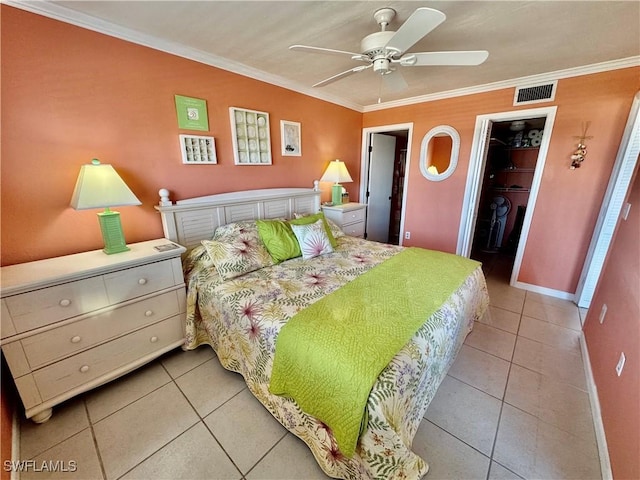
[63, 14]
[477, 163]
[596, 412]
[364, 164]
[511, 83]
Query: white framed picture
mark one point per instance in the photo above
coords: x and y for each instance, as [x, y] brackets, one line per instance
[250, 135]
[290, 139]
[198, 150]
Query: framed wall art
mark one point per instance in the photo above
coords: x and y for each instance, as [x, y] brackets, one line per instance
[250, 135]
[192, 113]
[198, 150]
[290, 139]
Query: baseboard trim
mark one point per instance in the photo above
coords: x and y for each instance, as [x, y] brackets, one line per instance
[545, 291]
[601, 439]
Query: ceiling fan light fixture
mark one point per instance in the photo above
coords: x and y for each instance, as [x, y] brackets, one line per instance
[380, 49]
[381, 65]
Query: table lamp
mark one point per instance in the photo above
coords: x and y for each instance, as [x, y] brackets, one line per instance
[336, 172]
[99, 186]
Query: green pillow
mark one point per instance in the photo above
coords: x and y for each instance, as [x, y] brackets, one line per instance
[279, 239]
[313, 219]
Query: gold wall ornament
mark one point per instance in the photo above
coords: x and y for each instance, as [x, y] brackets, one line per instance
[581, 151]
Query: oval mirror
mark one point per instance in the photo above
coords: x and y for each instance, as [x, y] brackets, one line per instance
[439, 153]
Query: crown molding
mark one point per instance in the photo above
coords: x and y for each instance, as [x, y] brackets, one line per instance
[63, 14]
[514, 82]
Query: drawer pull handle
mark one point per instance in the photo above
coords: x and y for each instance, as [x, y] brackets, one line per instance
[76, 339]
[142, 281]
[84, 368]
[153, 339]
[148, 313]
[65, 302]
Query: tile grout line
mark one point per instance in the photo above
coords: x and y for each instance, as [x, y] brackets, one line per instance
[201, 419]
[95, 440]
[504, 395]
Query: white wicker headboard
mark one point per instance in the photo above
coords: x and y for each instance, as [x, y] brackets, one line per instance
[189, 221]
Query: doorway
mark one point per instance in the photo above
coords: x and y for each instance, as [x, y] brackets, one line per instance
[473, 213]
[511, 160]
[383, 180]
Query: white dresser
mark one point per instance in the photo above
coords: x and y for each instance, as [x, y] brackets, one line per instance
[72, 323]
[350, 217]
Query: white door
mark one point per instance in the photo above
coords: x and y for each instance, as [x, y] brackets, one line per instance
[381, 161]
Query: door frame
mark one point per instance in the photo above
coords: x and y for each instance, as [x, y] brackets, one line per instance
[609, 216]
[477, 163]
[364, 164]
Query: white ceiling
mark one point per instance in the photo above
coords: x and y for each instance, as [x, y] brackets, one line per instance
[525, 39]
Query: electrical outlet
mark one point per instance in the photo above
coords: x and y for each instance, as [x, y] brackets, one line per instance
[407, 235]
[620, 364]
[603, 312]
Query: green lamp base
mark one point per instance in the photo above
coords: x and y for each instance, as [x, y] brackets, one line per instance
[336, 194]
[112, 232]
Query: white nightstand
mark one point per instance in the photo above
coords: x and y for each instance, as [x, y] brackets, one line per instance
[350, 217]
[75, 322]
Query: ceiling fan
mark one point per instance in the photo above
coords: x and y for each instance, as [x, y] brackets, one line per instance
[385, 49]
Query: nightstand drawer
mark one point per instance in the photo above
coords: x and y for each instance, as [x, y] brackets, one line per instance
[353, 216]
[49, 305]
[61, 342]
[104, 359]
[354, 229]
[138, 281]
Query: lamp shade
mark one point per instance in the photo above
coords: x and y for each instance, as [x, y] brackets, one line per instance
[100, 186]
[336, 172]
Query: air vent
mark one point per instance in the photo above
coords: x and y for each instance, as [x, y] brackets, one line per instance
[535, 94]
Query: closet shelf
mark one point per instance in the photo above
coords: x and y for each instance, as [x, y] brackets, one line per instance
[509, 189]
[521, 170]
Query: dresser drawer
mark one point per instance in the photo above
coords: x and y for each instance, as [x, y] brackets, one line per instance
[49, 305]
[96, 362]
[61, 342]
[354, 229]
[353, 216]
[138, 281]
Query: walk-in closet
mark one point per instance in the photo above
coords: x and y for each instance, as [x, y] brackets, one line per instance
[510, 166]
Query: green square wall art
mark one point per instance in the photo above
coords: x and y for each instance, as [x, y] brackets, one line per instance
[192, 113]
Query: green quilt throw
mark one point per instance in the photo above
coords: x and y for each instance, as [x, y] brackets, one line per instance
[329, 355]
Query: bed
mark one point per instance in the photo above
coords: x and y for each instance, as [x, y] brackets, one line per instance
[244, 313]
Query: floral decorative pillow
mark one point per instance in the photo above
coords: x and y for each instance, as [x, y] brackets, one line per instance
[307, 219]
[313, 239]
[236, 249]
[336, 231]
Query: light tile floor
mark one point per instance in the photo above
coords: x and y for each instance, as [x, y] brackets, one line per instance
[514, 405]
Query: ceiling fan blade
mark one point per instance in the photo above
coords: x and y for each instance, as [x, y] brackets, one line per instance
[421, 22]
[475, 57]
[394, 81]
[330, 51]
[346, 73]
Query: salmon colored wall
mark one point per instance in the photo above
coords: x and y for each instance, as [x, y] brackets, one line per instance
[70, 94]
[569, 200]
[619, 288]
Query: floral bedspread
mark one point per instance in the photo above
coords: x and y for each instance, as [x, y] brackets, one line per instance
[241, 318]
